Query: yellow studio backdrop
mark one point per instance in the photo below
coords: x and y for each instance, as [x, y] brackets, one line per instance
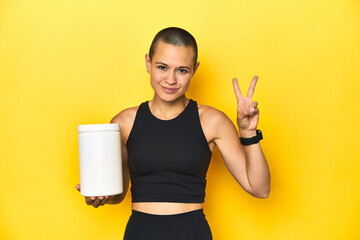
[66, 63]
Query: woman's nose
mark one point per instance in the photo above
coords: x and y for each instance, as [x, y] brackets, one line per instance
[171, 79]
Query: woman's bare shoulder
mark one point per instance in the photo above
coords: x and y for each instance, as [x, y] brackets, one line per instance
[212, 121]
[210, 113]
[126, 117]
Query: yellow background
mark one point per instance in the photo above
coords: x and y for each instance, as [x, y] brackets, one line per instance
[65, 63]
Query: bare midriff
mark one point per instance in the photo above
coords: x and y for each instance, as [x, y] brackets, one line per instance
[165, 208]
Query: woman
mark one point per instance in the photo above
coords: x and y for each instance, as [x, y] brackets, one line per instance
[167, 145]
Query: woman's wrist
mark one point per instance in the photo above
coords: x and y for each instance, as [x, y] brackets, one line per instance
[246, 133]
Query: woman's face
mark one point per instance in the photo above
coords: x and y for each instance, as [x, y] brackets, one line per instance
[171, 70]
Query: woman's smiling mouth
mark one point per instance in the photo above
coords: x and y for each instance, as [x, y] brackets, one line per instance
[170, 90]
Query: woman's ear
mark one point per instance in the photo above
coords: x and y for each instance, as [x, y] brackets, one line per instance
[196, 67]
[147, 62]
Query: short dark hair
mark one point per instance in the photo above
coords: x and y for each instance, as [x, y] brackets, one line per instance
[175, 36]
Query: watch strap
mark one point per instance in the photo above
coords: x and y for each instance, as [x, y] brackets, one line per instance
[252, 140]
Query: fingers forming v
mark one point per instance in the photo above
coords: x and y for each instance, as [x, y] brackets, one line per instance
[237, 89]
[252, 87]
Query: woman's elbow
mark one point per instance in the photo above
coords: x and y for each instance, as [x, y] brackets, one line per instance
[263, 195]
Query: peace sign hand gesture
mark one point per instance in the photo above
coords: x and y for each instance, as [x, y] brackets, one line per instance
[247, 111]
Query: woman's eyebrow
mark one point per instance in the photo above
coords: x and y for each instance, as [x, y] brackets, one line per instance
[167, 65]
[161, 63]
[184, 67]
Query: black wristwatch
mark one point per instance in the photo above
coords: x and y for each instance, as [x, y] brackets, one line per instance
[252, 140]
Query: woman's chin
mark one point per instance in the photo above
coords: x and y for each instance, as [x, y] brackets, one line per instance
[169, 97]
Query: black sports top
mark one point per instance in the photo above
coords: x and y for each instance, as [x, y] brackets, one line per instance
[168, 159]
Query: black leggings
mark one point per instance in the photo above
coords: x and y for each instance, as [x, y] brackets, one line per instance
[185, 226]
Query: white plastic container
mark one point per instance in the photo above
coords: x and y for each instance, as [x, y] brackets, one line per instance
[100, 159]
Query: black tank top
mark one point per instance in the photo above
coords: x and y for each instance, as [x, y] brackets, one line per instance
[168, 159]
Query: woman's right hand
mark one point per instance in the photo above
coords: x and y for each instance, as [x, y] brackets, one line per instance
[95, 201]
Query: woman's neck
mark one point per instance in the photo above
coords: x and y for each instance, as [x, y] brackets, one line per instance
[167, 110]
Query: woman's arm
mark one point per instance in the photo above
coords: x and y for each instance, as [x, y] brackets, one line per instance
[247, 164]
[126, 120]
[257, 167]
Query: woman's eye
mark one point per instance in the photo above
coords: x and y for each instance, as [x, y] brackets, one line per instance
[183, 71]
[162, 67]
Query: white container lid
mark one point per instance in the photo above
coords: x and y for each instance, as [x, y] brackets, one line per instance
[99, 127]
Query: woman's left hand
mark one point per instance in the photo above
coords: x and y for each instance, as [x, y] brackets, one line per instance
[247, 111]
